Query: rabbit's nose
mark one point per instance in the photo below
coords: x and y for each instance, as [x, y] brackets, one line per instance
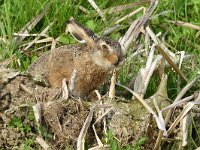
[120, 61]
[117, 62]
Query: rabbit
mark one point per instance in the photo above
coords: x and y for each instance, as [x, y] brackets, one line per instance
[91, 61]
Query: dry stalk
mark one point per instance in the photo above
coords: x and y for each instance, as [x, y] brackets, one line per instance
[158, 42]
[43, 32]
[13, 109]
[112, 85]
[159, 121]
[104, 147]
[167, 118]
[144, 75]
[81, 137]
[116, 9]
[31, 24]
[83, 9]
[3, 40]
[111, 29]
[26, 89]
[48, 39]
[126, 41]
[42, 47]
[27, 34]
[53, 44]
[135, 54]
[131, 14]
[65, 90]
[185, 24]
[165, 53]
[98, 120]
[185, 122]
[185, 111]
[168, 59]
[94, 5]
[37, 109]
[42, 143]
[136, 26]
[175, 104]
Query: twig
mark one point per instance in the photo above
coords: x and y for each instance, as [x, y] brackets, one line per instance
[13, 109]
[136, 26]
[26, 89]
[103, 147]
[115, 9]
[185, 24]
[39, 48]
[43, 32]
[130, 15]
[112, 85]
[3, 39]
[27, 34]
[187, 108]
[48, 39]
[81, 137]
[177, 103]
[184, 129]
[158, 140]
[167, 118]
[180, 95]
[159, 121]
[98, 119]
[168, 59]
[83, 9]
[73, 80]
[111, 29]
[42, 143]
[65, 90]
[31, 24]
[53, 44]
[94, 5]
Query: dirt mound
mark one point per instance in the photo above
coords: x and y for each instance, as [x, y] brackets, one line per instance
[62, 121]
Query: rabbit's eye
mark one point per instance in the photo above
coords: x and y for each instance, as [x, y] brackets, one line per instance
[104, 47]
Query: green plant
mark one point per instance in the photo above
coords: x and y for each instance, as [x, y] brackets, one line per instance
[115, 145]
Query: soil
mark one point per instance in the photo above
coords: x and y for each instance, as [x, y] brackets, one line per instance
[61, 119]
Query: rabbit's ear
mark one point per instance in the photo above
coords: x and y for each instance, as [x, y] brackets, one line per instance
[80, 33]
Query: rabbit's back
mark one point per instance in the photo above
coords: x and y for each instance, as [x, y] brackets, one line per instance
[61, 56]
[39, 67]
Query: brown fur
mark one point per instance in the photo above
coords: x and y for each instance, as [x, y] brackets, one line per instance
[91, 63]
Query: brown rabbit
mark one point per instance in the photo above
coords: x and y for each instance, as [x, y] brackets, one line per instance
[91, 61]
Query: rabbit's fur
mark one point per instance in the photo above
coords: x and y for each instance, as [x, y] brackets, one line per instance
[91, 61]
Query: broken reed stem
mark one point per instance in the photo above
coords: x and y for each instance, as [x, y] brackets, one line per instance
[158, 140]
[42, 143]
[185, 24]
[167, 118]
[168, 59]
[43, 32]
[86, 124]
[27, 34]
[112, 85]
[130, 15]
[94, 5]
[136, 26]
[115, 9]
[31, 24]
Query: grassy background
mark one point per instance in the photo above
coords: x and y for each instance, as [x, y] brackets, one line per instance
[14, 14]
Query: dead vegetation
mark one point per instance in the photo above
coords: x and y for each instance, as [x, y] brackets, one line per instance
[74, 123]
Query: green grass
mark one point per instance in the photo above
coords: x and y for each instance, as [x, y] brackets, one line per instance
[16, 13]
